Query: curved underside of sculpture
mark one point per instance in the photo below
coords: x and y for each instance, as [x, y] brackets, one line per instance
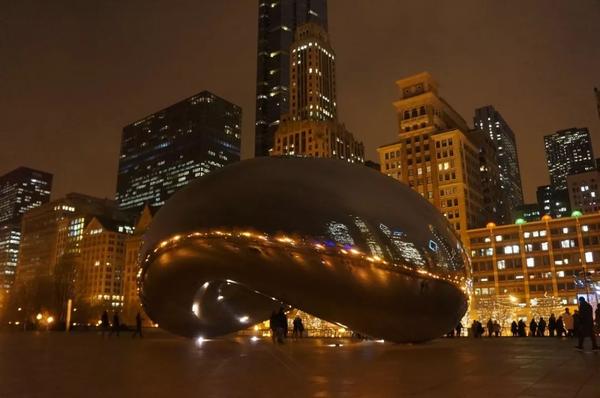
[340, 241]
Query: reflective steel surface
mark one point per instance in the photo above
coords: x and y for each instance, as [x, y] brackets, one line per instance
[340, 241]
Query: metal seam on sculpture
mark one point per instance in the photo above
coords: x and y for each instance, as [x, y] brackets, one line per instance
[178, 239]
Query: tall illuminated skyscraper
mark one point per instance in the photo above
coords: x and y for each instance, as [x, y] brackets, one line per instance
[490, 121]
[311, 127]
[568, 152]
[277, 23]
[166, 150]
[21, 190]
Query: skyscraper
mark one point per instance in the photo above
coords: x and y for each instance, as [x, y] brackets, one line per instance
[568, 152]
[165, 150]
[490, 121]
[311, 127]
[277, 23]
[21, 190]
[553, 202]
[435, 155]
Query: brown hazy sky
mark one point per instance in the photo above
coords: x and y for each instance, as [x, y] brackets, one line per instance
[73, 73]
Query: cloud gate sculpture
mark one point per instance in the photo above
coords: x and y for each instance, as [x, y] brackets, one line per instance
[340, 241]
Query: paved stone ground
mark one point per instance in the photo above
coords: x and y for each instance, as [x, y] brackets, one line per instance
[86, 365]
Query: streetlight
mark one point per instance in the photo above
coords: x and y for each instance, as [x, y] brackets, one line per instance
[38, 317]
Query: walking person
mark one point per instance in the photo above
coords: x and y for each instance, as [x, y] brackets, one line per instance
[560, 327]
[138, 326]
[514, 329]
[568, 321]
[586, 324]
[459, 329]
[490, 327]
[497, 329]
[522, 328]
[281, 326]
[104, 325]
[273, 326]
[116, 325]
[541, 329]
[532, 327]
[551, 325]
[298, 327]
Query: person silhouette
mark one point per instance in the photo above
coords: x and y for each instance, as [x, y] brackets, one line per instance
[116, 326]
[586, 324]
[104, 325]
[138, 326]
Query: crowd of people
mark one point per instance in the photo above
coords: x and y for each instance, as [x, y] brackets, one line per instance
[580, 324]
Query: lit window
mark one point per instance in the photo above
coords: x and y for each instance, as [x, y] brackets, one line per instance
[530, 262]
[501, 264]
[545, 246]
[589, 257]
[565, 230]
[560, 274]
[526, 235]
[499, 238]
[585, 228]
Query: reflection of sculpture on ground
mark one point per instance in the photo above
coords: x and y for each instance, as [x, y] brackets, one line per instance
[342, 242]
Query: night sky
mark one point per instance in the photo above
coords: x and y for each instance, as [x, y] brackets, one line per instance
[73, 73]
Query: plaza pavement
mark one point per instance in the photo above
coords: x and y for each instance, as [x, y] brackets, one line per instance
[54, 364]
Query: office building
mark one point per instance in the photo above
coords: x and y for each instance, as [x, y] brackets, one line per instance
[526, 212]
[311, 127]
[166, 150]
[99, 276]
[434, 154]
[584, 194]
[536, 264]
[277, 23]
[490, 122]
[50, 252]
[568, 152]
[553, 202]
[21, 190]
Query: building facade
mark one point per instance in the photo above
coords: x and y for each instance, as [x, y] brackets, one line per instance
[50, 252]
[584, 194]
[553, 202]
[166, 150]
[277, 23]
[311, 127]
[490, 121]
[99, 277]
[536, 264]
[21, 190]
[434, 154]
[527, 212]
[568, 152]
